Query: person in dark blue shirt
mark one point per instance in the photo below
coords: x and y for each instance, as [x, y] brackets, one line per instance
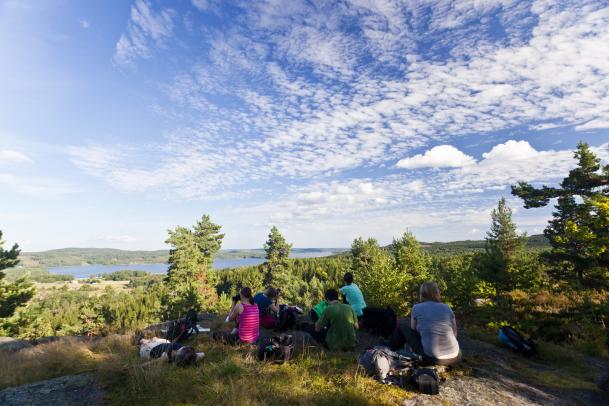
[267, 304]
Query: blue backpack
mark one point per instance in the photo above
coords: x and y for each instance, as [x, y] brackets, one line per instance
[512, 339]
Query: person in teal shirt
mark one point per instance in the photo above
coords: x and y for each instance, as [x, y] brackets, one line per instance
[353, 294]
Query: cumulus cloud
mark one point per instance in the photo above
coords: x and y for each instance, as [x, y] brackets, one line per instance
[146, 31]
[10, 155]
[442, 156]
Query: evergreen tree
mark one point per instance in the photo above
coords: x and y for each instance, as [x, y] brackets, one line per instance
[375, 274]
[412, 265]
[502, 250]
[188, 283]
[577, 228]
[12, 295]
[277, 265]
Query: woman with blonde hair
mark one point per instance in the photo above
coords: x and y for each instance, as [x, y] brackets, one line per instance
[431, 329]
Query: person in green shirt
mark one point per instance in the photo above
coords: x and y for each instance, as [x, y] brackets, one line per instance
[340, 321]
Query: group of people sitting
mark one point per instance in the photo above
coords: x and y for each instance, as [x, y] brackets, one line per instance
[430, 331]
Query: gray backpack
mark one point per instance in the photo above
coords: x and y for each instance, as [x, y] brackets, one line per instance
[382, 363]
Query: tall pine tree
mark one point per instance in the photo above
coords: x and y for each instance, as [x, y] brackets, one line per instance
[12, 295]
[189, 280]
[412, 265]
[576, 231]
[277, 265]
[504, 247]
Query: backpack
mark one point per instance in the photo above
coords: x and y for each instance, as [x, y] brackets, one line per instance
[287, 317]
[382, 363]
[426, 380]
[511, 338]
[379, 321]
[179, 330]
[277, 349]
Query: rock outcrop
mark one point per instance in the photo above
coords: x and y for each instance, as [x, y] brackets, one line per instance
[72, 390]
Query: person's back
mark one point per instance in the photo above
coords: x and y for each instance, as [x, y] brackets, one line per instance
[341, 321]
[353, 294]
[248, 323]
[263, 303]
[434, 322]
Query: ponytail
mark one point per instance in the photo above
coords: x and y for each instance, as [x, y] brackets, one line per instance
[247, 293]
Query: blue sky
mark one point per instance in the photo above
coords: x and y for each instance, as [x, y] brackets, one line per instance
[119, 120]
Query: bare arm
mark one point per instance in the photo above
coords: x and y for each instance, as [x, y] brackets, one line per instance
[413, 323]
[236, 311]
[454, 325]
[274, 308]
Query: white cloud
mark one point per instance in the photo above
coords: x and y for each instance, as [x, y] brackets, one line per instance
[10, 155]
[593, 125]
[146, 31]
[442, 156]
[364, 102]
[84, 24]
[510, 151]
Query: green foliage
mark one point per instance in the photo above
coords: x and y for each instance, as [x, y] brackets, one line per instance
[578, 229]
[411, 264]
[374, 273]
[188, 284]
[36, 275]
[17, 293]
[504, 247]
[62, 312]
[390, 278]
[277, 265]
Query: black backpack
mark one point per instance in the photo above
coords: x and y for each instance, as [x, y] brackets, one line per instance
[277, 349]
[510, 337]
[287, 318]
[426, 380]
[379, 321]
[180, 330]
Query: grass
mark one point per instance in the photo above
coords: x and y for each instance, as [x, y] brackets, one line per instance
[233, 376]
[227, 376]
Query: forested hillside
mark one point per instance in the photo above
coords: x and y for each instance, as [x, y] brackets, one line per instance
[110, 256]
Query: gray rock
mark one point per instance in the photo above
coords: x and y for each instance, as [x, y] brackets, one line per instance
[11, 345]
[66, 391]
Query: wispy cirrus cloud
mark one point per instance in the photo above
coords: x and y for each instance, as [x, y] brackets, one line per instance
[301, 94]
[146, 30]
[13, 156]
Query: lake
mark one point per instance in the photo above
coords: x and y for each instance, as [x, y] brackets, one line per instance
[86, 271]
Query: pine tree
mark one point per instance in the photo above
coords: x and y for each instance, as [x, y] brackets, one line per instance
[576, 230]
[502, 250]
[375, 274]
[188, 282]
[277, 265]
[412, 265]
[12, 295]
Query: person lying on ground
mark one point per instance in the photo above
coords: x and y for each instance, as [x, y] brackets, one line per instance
[353, 295]
[245, 314]
[431, 329]
[267, 307]
[160, 349]
[336, 326]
